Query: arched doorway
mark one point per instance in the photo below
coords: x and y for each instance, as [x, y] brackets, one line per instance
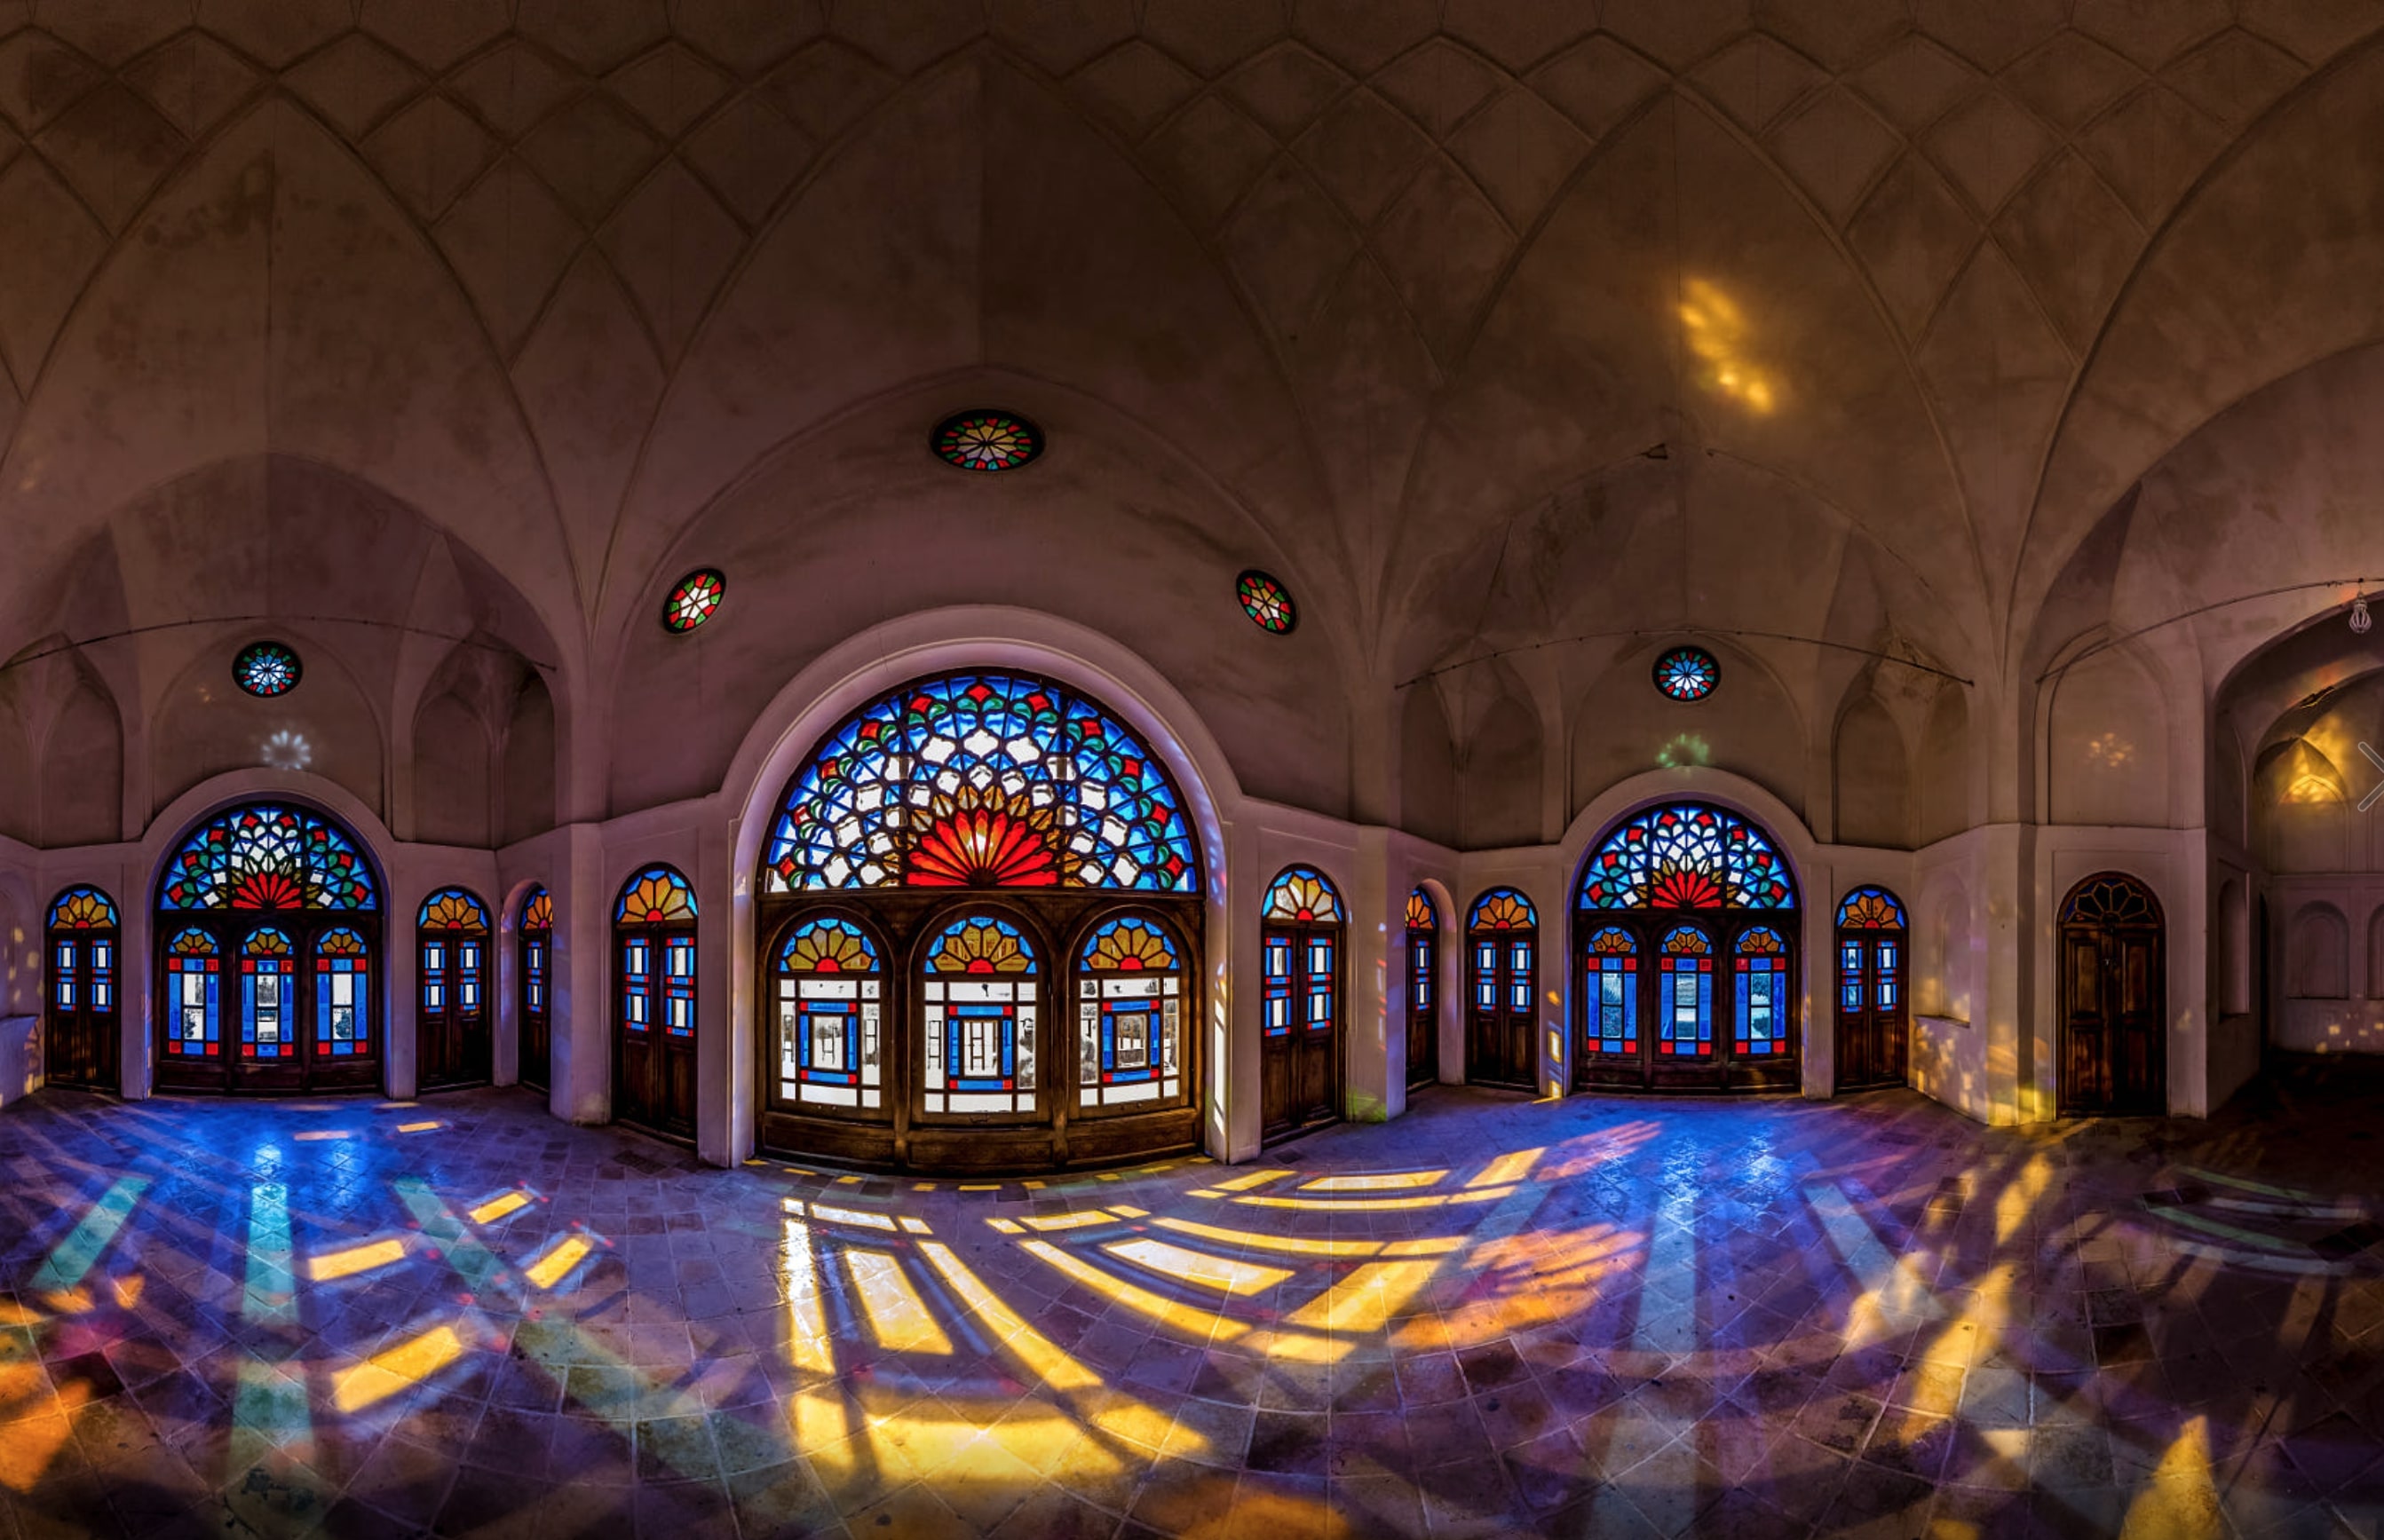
[980, 933]
[267, 895]
[537, 942]
[1702, 899]
[2113, 1056]
[81, 1042]
[1502, 947]
[452, 1030]
[654, 1037]
[1874, 1019]
[1299, 1032]
[1424, 989]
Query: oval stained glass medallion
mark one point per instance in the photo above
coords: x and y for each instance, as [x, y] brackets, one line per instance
[1266, 601]
[987, 440]
[267, 669]
[693, 598]
[1687, 673]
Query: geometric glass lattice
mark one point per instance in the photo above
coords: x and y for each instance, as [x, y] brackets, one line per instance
[1266, 601]
[267, 857]
[828, 947]
[1870, 909]
[987, 440]
[1502, 910]
[1303, 895]
[454, 909]
[693, 599]
[1130, 946]
[981, 945]
[1687, 856]
[982, 780]
[267, 669]
[657, 895]
[2111, 898]
[83, 909]
[1687, 673]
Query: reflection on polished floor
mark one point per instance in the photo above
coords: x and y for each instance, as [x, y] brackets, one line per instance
[1597, 1316]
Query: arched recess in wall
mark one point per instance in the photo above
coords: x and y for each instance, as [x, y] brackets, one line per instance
[1944, 800]
[1623, 727]
[1499, 778]
[1427, 767]
[2234, 948]
[2375, 956]
[530, 764]
[450, 774]
[2301, 810]
[62, 773]
[2317, 954]
[2107, 742]
[1873, 777]
[205, 727]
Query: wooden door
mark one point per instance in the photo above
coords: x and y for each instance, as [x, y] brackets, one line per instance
[1300, 1028]
[654, 1043]
[270, 1009]
[1423, 1006]
[453, 1029]
[79, 1041]
[1874, 1023]
[537, 1044]
[1503, 975]
[2113, 1057]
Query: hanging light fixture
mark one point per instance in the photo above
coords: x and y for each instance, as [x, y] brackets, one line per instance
[2360, 619]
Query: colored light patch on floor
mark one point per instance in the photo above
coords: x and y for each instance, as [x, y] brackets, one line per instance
[396, 1370]
[1377, 1181]
[1221, 1273]
[346, 1262]
[897, 1318]
[497, 1207]
[557, 1262]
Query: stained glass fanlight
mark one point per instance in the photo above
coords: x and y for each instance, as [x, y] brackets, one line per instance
[83, 909]
[537, 914]
[1303, 895]
[1266, 601]
[1420, 914]
[1685, 856]
[454, 909]
[1870, 909]
[2111, 898]
[1502, 910]
[268, 857]
[267, 669]
[983, 781]
[657, 895]
[981, 945]
[693, 598]
[1687, 673]
[986, 440]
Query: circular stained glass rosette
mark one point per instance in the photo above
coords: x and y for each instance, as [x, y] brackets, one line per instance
[693, 599]
[1687, 673]
[1267, 602]
[267, 669]
[987, 440]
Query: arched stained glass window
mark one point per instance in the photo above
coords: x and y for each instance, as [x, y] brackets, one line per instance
[657, 895]
[983, 781]
[1129, 1015]
[268, 857]
[1502, 910]
[454, 909]
[537, 914]
[830, 994]
[342, 994]
[1687, 856]
[267, 996]
[1420, 914]
[1684, 1010]
[1613, 989]
[537, 941]
[453, 1025]
[194, 975]
[978, 1003]
[1303, 894]
[1424, 989]
[1762, 991]
[84, 909]
[1870, 909]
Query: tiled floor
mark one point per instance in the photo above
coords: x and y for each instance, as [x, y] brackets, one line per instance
[1599, 1317]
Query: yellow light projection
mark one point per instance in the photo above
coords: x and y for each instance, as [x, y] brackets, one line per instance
[1717, 333]
[1221, 1273]
[551, 1268]
[398, 1369]
[328, 1266]
[497, 1207]
[897, 1316]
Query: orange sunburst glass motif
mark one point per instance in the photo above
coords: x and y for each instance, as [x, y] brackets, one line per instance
[453, 910]
[340, 943]
[1686, 943]
[1870, 909]
[656, 896]
[540, 913]
[1302, 893]
[1129, 946]
[83, 909]
[986, 845]
[1503, 909]
[828, 947]
[1420, 912]
[1612, 943]
[981, 945]
[1762, 943]
[268, 943]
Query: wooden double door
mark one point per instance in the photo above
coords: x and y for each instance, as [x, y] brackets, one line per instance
[1874, 1022]
[1687, 1001]
[267, 1001]
[1502, 970]
[536, 1032]
[653, 1040]
[452, 1029]
[2113, 1052]
[81, 1045]
[1423, 1006]
[1300, 1039]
